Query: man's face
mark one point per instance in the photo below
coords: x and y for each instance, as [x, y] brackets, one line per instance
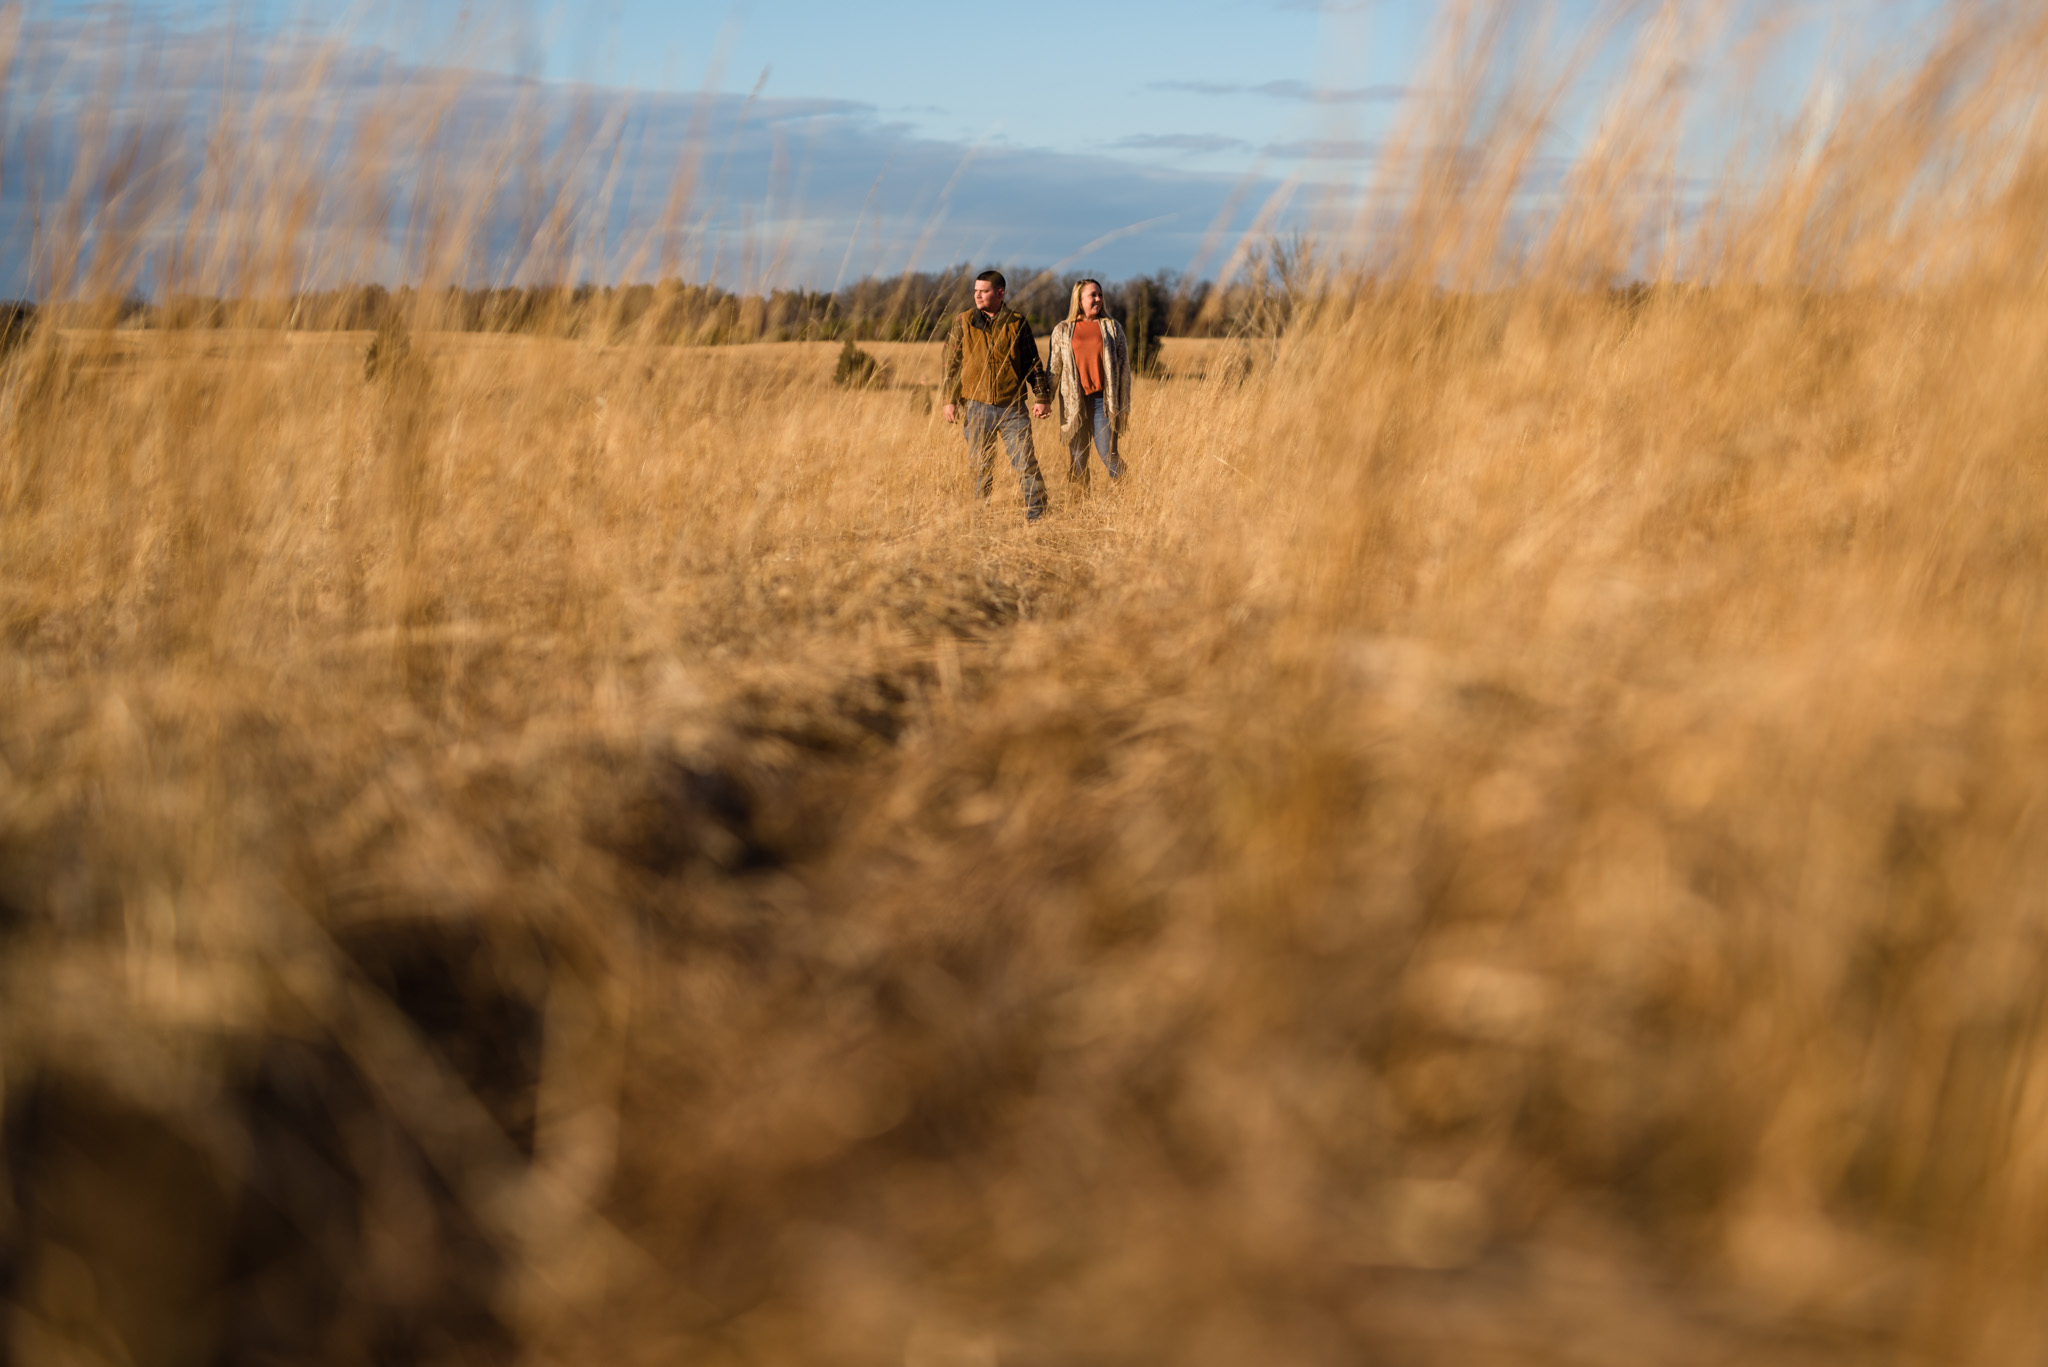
[1091, 301]
[988, 296]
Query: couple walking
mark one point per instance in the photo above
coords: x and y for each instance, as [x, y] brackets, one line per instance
[992, 361]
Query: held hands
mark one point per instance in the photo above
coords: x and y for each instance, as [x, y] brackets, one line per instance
[1038, 410]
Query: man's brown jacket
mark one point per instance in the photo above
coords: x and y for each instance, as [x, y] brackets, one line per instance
[993, 360]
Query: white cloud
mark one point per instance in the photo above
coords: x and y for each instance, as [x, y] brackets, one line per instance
[1299, 91]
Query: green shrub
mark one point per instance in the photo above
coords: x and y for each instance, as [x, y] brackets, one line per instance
[388, 350]
[17, 320]
[856, 368]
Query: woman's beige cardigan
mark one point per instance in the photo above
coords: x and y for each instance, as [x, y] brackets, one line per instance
[1116, 376]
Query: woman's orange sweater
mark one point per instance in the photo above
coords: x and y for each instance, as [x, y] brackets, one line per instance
[1088, 354]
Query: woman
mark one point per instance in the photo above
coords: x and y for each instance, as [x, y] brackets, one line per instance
[1092, 368]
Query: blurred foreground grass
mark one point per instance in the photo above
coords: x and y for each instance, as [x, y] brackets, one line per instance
[1515, 835]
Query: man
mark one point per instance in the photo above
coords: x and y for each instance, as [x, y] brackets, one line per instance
[991, 362]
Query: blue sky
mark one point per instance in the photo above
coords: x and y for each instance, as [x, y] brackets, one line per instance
[1206, 83]
[834, 140]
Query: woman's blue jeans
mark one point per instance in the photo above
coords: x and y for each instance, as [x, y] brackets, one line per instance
[1095, 424]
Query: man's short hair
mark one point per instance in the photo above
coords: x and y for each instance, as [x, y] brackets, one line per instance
[994, 278]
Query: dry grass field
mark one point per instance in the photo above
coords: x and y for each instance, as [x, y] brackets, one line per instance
[1518, 835]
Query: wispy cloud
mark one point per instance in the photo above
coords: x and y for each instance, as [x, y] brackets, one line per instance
[1299, 91]
[1194, 144]
[1323, 149]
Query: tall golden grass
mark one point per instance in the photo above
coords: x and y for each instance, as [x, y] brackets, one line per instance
[1516, 836]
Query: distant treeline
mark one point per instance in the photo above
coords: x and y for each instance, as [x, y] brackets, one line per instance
[1262, 300]
[909, 308]
[912, 307]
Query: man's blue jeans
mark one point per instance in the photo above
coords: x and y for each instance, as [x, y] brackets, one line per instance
[984, 423]
[1094, 421]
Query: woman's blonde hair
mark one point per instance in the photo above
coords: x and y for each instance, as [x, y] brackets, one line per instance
[1074, 299]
